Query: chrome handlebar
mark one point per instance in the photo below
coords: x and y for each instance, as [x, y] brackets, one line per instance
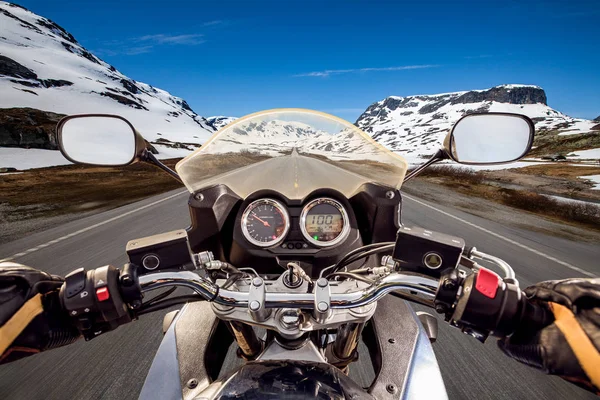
[413, 287]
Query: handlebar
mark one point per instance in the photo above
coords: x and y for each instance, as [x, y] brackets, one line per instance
[480, 303]
[423, 285]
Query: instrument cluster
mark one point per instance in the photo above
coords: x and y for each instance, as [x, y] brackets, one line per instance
[323, 222]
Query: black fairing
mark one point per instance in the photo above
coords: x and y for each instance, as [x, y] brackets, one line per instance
[289, 380]
[215, 213]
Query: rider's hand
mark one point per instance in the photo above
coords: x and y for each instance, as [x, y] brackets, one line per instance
[570, 346]
[31, 317]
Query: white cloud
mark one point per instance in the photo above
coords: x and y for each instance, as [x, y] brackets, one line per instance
[329, 72]
[189, 39]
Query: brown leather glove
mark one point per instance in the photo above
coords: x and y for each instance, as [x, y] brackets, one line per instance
[31, 316]
[570, 346]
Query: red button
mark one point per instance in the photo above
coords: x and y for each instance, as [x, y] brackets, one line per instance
[487, 283]
[102, 294]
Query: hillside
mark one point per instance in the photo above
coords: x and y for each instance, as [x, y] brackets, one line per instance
[43, 67]
[415, 126]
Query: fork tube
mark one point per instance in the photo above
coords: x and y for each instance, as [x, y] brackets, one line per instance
[346, 341]
[250, 345]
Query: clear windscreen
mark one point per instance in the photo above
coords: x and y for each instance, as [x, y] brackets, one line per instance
[294, 152]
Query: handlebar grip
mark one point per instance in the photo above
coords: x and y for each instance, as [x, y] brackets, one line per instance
[482, 304]
[535, 316]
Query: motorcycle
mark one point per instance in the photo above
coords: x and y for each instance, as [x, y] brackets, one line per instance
[296, 264]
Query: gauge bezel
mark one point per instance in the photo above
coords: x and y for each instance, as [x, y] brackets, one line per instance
[345, 229]
[276, 204]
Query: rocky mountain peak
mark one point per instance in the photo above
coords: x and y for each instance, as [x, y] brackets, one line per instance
[415, 126]
[509, 94]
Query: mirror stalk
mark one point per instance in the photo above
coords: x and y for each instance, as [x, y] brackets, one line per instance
[440, 155]
[149, 158]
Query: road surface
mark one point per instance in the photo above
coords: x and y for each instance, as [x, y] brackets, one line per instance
[114, 365]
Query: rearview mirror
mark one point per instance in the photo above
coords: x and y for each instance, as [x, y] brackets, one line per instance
[490, 138]
[99, 139]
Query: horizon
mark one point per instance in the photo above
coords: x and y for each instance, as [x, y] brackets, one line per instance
[234, 58]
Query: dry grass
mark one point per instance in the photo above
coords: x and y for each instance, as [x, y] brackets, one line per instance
[472, 182]
[562, 170]
[76, 188]
[459, 175]
[586, 214]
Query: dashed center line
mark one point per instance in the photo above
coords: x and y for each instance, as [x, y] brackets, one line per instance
[70, 235]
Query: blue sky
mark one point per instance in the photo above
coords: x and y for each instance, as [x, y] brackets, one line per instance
[237, 57]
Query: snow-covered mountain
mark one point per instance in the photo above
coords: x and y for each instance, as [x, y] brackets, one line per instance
[43, 67]
[217, 122]
[273, 136]
[415, 126]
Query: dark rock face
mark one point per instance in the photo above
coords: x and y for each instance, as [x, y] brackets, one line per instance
[10, 67]
[124, 100]
[186, 106]
[500, 94]
[28, 128]
[130, 86]
[597, 119]
[57, 29]
[55, 83]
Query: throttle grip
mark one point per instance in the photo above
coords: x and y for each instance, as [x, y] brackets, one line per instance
[482, 304]
[535, 316]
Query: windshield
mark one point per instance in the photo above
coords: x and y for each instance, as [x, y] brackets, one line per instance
[292, 151]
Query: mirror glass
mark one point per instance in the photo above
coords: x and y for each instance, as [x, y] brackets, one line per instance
[99, 140]
[490, 138]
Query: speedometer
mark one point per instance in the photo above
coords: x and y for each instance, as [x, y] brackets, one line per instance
[265, 222]
[324, 222]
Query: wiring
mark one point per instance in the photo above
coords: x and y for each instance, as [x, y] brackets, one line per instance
[161, 296]
[363, 252]
[145, 309]
[342, 262]
[352, 276]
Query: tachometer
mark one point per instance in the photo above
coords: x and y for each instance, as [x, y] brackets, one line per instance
[265, 222]
[324, 222]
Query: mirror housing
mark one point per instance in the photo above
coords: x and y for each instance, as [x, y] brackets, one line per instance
[489, 138]
[99, 139]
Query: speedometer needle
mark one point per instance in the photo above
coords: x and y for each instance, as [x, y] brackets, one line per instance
[265, 223]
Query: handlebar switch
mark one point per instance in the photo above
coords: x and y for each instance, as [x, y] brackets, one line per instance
[487, 305]
[93, 300]
[75, 282]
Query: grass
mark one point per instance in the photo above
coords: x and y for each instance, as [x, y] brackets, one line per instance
[46, 192]
[472, 182]
[586, 214]
[461, 175]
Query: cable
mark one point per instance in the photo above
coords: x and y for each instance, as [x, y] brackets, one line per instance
[161, 296]
[145, 309]
[233, 278]
[250, 269]
[357, 256]
[359, 250]
[350, 275]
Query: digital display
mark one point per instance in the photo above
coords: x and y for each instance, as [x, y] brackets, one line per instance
[324, 223]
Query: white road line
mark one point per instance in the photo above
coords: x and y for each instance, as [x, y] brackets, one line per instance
[70, 235]
[513, 242]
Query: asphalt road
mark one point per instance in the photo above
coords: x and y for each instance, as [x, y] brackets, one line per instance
[114, 365]
[295, 176]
